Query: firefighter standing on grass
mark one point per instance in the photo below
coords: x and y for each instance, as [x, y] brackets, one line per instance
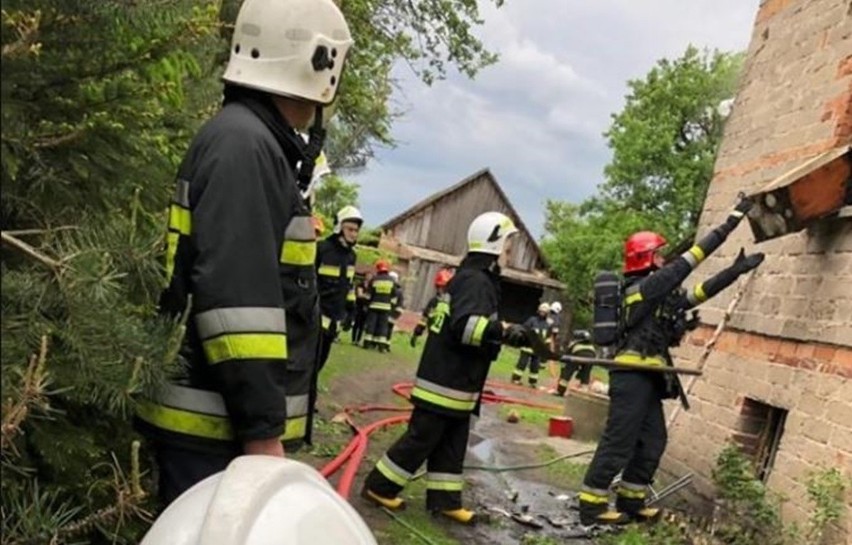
[430, 313]
[653, 320]
[241, 249]
[581, 346]
[464, 340]
[335, 265]
[381, 290]
[540, 323]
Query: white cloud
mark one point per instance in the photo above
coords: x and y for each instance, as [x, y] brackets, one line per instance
[536, 118]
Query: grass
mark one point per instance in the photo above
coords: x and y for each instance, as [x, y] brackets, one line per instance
[563, 474]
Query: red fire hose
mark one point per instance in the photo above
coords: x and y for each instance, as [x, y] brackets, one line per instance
[353, 454]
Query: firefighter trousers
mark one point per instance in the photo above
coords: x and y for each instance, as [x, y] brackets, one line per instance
[438, 440]
[180, 469]
[358, 323]
[377, 328]
[584, 375]
[635, 435]
[326, 340]
[527, 359]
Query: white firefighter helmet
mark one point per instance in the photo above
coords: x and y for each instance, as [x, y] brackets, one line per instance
[260, 500]
[394, 275]
[488, 233]
[347, 213]
[556, 307]
[293, 48]
[544, 308]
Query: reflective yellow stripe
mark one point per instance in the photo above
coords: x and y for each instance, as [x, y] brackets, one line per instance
[245, 346]
[383, 287]
[172, 240]
[350, 272]
[478, 331]
[633, 358]
[588, 497]
[380, 306]
[326, 322]
[205, 425]
[526, 350]
[633, 298]
[451, 486]
[390, 474]
[697, 253]
[350, 297]
[700, 295]
[329, 270]
[442, 401]
[180, 219]
[633, 494]
[294, 252]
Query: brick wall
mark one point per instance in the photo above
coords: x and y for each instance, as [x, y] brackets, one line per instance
[789, 343]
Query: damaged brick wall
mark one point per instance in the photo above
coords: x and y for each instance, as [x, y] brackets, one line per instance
[789, 343]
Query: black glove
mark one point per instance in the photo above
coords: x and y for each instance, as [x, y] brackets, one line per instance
[515, 335]
[744, 263]
[744, 205]
[419, 329]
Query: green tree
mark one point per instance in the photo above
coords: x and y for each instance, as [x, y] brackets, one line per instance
[99, 99]
[664, 141]
[333, 193]
[664, 144]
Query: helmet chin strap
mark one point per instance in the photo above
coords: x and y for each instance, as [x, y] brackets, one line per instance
[312, 150]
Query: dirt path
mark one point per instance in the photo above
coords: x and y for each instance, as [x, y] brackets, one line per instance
[366, 378]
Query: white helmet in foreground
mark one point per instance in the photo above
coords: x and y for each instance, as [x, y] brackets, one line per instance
[488, 233]
[260, 500]
[544, 308]
[556, 307]
[347, 213]
[294, 48]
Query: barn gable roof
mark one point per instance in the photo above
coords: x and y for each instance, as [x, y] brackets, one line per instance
[480, 175]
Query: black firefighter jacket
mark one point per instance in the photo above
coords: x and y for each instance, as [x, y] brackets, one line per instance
[240, 257]
[335, 270]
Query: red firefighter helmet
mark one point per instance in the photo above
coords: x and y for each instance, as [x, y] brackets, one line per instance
[382, 266]
[639, 250]
[442, 278]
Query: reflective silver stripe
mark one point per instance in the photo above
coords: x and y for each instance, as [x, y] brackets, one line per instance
[445, 477]
[192, 399]
[607, 284]
[395, 468]
[240, 320]
[443, 390]
[737, 213]
[297, 406]
[493, 317]
[632, 289]
[596, 491]
[691, 259]
[209, 402]
[181, 195]
[691, 297]
[300, 228]
[606, 324]
[467, 336]
[633, 486]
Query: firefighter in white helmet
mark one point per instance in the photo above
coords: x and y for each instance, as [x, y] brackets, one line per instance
[259, 500]
[242, 248]
[464, 339]
[335, 271]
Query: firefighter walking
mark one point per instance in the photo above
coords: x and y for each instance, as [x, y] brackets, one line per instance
[381, 291]
[241, 248]
[464, 340]
[541, 324]
[581, 346]
[653, 320]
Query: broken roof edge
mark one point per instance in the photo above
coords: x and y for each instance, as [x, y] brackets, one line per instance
[434, 197]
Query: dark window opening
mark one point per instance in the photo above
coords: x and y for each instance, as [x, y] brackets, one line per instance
[759, 434]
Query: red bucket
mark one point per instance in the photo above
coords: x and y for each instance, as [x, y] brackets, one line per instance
[561, 426]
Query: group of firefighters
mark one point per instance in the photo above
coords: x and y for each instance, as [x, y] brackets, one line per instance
[262, 301]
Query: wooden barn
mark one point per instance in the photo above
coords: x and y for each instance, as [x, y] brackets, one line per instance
[433, 234]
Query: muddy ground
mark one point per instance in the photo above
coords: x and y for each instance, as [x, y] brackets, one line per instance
[544, 495]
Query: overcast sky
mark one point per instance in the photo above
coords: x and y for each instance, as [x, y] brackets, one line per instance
[536, 117]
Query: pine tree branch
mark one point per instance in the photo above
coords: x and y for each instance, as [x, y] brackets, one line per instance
[32, 395]
[28, 250]
[54, 141]
[28, 232]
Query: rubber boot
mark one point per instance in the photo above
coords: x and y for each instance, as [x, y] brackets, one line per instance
[461, 515]
[636, 509]
[600, 513]
[394, 504]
